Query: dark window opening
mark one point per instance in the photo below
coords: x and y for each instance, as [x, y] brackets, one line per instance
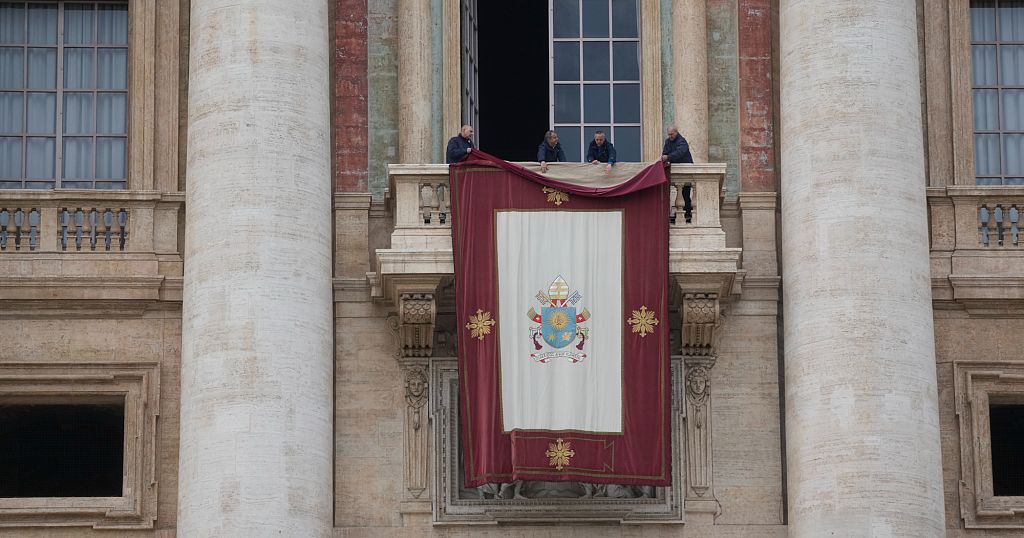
[61, 449]
[1007, 427]
[513, 83]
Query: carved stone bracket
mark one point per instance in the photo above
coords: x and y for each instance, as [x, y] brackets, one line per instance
[417, 313]
[417, 455]
[701, 316]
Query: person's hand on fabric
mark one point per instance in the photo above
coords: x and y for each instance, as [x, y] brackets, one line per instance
[595, 161]
[543, 167]
[608, 167]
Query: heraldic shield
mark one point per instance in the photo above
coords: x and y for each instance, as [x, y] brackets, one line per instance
[558, 325]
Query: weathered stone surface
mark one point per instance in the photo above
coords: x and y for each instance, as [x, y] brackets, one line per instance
[862, 421]
[256, 343]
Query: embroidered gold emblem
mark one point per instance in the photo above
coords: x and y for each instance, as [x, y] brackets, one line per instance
[480, 324]
[558, 454]
[555, 195]
[643, 321]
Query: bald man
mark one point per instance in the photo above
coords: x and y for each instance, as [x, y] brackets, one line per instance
[460, 145]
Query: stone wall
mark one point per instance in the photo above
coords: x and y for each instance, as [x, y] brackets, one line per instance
[109, 337]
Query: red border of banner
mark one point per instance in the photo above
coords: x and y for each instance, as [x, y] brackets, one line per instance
[642, 453]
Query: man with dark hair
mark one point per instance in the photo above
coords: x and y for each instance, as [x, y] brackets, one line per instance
[676, 149]
[550, 150]
[460, 145]
[601, 151]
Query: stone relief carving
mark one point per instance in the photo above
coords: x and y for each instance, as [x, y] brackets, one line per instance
[538, 489]
[416, 436]
[701, 316]
[416, 313]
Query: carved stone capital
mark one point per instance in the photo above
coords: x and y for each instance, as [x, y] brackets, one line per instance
[416, 433]
[701, 316]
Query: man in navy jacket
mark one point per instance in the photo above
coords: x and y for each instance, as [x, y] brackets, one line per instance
[550, 150]
[676, 149]
[601, 151]
[460, 145]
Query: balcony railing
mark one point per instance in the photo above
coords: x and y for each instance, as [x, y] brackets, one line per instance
[90, 244]
[421, 243]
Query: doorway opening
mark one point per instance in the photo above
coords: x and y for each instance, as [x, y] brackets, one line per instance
[513, 83]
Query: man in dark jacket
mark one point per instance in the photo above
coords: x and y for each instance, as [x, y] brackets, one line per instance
[460, 145]
[550, 151]
[677, 150]
[601, 151]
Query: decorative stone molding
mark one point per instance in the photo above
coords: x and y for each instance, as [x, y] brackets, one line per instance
[698, 429]
[416, 315]
[701, 315]
[977, 384]
[417, 459]
[139, 385]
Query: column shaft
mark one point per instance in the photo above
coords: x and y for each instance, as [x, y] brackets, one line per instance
[690, 73]
[861, 401]
[414, 81]
[256, 365]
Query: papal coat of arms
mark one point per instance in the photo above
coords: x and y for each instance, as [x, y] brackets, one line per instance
[559, 325]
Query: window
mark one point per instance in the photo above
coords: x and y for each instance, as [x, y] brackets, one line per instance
[989, 398]
[62, 449]
[78, 444]
[595, 74]
[1007, 430]
[997, 75]
[63, 95]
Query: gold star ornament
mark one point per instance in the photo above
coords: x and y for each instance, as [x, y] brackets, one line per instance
[643, 321]
[558, 454]
[556, 196]
[479, 325]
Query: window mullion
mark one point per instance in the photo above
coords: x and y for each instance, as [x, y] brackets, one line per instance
[58, 172]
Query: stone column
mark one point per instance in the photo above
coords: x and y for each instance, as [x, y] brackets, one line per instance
[256, 364]
[861, 402]
[414, 81]
[690, 73]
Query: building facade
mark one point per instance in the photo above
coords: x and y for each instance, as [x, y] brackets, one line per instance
[226, 276]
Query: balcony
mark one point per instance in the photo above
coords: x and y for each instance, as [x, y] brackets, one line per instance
[96, 245]
[420, 254]
[977, 256]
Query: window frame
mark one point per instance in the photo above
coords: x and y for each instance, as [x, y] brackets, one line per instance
[59, 91]
[977, 383]
[583, 82]
[139, 385]
[1000, 132]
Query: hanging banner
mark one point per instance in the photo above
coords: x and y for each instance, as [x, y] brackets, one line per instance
[562, 305]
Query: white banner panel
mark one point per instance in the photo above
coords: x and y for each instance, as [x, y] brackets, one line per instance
[560, 319]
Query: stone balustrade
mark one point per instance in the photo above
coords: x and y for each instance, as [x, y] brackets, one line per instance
[90, 244]
[977, 259]
[421, 246]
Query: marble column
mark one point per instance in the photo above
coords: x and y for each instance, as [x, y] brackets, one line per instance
[256, 368]
[690, 73]
[414, 82]
[862, 433]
